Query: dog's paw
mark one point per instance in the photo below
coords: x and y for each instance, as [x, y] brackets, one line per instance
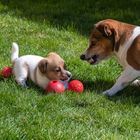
[136, 83]
[109, 93]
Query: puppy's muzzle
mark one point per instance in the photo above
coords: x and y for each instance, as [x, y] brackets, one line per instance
[66, 76]
[69, 75]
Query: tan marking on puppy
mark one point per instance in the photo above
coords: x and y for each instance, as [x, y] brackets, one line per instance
[133, 54]
[53, 67]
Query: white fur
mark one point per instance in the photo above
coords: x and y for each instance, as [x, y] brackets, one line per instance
[25, 66]
[122, 53]
[15, 52]
[129, 74]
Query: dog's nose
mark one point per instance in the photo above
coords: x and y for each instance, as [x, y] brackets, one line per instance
[82, 57]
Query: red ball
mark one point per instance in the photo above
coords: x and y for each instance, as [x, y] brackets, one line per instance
[76, 86]
[55, 86]
[6, 72]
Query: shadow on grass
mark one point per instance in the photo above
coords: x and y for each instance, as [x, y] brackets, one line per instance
[30, 85]
[127, 95]
[99, 85]
[79, 14]
[39, 90]
[130, 94]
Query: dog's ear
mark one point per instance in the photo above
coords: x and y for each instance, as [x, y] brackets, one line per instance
[43, 66]
[110, 30]
[105, 28]
[113, 31]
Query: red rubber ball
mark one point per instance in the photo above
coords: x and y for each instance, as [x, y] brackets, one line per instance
[6, 72]
[55, 86]
[76, 86]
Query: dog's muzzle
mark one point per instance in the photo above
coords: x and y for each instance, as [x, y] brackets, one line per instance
[82, 57]
[92, 60]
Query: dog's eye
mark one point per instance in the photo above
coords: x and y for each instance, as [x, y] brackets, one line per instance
[57, 69]
[93, 43]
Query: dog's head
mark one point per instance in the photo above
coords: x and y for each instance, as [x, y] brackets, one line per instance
[53, 67]
[102, 41]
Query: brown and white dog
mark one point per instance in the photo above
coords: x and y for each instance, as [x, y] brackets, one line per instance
[114, 37]
[39, 69]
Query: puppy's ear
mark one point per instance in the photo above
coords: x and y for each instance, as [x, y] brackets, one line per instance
[43, 66]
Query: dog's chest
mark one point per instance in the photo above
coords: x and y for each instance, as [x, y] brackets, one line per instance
[122, 53]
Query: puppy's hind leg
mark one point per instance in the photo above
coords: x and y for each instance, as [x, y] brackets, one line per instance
[21, 74]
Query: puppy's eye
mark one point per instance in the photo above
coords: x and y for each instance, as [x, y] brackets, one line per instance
[57, 69]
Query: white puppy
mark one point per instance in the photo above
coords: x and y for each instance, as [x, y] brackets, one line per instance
[39, 69]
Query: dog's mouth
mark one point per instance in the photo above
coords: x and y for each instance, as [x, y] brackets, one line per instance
[93, 60]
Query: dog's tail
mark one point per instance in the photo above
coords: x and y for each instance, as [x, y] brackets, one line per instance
[15, 52]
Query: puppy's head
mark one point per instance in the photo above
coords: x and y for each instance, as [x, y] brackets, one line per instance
[53, 67]
[101, 43]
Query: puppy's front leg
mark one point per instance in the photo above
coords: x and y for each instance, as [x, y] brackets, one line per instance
[128, 75]
[22, 82]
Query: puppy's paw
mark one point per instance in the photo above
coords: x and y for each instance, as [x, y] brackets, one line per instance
[109, 93]
[23, 84]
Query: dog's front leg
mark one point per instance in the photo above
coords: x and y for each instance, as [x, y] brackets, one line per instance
[127, 76]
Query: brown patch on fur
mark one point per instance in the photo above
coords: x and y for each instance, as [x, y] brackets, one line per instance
[43, 66]
[53, 67]
[120, 31]
[133, 54]
[99, 45]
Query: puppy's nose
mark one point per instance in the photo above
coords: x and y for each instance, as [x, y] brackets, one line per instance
[82, 57]
[69, 74]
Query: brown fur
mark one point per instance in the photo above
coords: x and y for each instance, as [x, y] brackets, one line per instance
[99, 44]
[53, 67]
[43, 66]
[133, 54]
[120, 31]
[106, 38]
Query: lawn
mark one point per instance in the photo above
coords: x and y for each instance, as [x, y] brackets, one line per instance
[64, 26]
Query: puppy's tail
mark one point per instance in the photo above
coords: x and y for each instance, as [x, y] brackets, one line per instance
[15, 52]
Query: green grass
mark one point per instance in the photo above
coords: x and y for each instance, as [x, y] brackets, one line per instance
[44, 26]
